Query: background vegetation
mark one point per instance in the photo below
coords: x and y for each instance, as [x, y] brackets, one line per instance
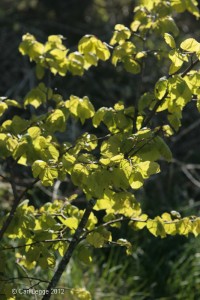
[158, 269]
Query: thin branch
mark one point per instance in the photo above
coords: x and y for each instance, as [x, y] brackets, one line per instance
[191, 177]
[49, 193]
[121, 219]
[186, 131]
[34, 243]
[185, 169]
[192, 166]
[190, 206]
[26, 272]
[188, 166]
[68, 254]
[23, 277]
[130, 153]
[191, 66]
[92, 140]
[152, 113]
[33, 286]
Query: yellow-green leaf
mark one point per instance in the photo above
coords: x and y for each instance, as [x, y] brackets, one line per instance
[3, 108]
[190, 45]
[161, 88]
[70, 222]
[95, 239]
[156, 227]
[121, 34]
[81, 294]
[56, 121]
[170, 40]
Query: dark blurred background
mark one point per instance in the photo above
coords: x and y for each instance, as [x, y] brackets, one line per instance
[158, 269]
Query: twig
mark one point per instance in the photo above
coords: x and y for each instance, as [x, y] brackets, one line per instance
[152, 113]
[186, 131]
[190, 206]
[30, 280]
[190, 177]
[185, 169]
[193, 64]
[130, 153]
[23, 277]
[34, 243]
[121, 219]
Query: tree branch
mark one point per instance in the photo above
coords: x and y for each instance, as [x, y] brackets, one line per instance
[34, 243]
[191, 66]
[186, 131]
[190, 177]
[118, 220]
[68, 254]
[23, 277]
[152, 113]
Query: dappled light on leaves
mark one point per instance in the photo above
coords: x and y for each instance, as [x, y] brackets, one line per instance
[117, 149]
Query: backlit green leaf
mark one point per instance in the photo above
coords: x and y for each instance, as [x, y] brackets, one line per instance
[121, 34]
[156, 227]
[131, 65]
[81, 294]
[190, 45]
[35, 97]
[3, 108]
[47, 174]
[177, 59]
[79, 174]
[161, 88]
[81, 108]
[56, 121]
[170, 40]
